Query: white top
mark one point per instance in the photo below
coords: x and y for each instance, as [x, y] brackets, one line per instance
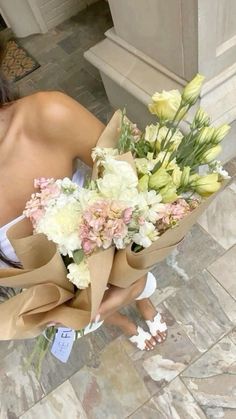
[5, 245]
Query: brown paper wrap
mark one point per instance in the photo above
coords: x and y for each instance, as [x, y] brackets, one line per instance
[129, 266]
[48, 296]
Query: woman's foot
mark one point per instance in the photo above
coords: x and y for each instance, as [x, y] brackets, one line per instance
[149, 314]
[131, 330]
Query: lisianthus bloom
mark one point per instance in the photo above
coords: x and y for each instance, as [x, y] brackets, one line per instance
[151, 132]
[220, 133]
[145, 165]
[211, 154]
[205, 135]
[192, 90]
[79, 274]
[159, 179]
[169, 193]
[146, 235]
[201, 119]
[165, 104]
[206, 185]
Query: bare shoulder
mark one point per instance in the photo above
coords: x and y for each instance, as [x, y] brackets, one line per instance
[62, 120]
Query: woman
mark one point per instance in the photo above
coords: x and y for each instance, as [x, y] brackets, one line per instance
[42, 135]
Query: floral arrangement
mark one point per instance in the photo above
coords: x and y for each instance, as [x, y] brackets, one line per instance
[145, 186]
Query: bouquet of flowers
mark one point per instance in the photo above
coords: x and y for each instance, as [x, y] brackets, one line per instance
[147, 190]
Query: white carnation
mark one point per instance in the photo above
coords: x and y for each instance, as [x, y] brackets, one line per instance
[146, 235]
[79, 275]
[149, 205]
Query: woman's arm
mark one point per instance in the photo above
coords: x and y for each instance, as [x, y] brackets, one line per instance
[65, 122]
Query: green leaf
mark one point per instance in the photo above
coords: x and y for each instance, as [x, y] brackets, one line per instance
[78, 256]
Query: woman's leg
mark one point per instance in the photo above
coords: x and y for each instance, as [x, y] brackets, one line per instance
[115, 298]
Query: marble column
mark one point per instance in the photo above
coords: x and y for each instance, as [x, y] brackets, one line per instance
[161, 44]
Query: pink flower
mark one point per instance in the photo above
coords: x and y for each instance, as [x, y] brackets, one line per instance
[43, 182]
[127, 215]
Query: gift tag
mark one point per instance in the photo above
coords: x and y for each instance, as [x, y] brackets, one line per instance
[63, 343]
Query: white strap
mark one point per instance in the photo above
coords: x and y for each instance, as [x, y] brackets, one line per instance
[140, 338]
[156, 325]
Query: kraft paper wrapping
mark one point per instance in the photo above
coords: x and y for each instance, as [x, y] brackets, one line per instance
[129, 266]
[48, 295]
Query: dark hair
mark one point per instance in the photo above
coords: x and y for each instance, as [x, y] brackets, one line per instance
[7, 95]
[7, 91]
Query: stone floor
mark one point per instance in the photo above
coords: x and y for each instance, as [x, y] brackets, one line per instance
[191, 375]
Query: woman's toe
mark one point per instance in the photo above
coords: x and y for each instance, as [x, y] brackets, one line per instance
[148, 346]
[153, 342]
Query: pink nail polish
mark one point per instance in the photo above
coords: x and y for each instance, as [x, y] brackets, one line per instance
[97, 318]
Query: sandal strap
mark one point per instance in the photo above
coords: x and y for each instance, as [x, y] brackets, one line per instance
[156, 325]
[140, 338]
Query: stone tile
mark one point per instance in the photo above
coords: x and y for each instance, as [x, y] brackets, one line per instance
[219, 220]
[230, 166]
[232, 185]
[175, 401]
[204, 310]
[212, 380]
[86, 351]
[19, 388]
[114, 389]
[232, 336]
[224, 270]
[182, 264]
[61, 403]
[160, 366]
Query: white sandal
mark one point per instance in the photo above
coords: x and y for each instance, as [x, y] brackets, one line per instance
[155, 326]
[140, 338]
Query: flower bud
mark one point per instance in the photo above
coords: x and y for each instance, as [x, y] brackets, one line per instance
[205, 135]
[201, 119]
[159, 179]
[168, 193]
[185, 176]
[176, 176]
[207, 185]
[220, 133]
[192, 90]
[143, 183]
[211, 154]
[151, 133]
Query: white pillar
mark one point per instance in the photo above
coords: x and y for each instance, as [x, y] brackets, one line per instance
[161, 44]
